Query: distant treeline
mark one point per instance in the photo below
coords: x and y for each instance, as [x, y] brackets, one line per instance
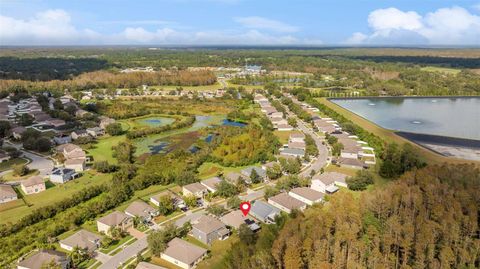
[106, 79]
[44, 69]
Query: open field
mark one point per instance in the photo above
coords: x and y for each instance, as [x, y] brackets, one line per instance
[102, 150]
[12, 214]
[388, 135]
[283, 136]
[445, 70]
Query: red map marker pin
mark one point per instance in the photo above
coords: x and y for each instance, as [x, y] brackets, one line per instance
[245, 207]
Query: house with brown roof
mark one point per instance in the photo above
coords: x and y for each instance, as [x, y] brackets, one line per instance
[208, 229]
[18, 131]
[155, 199]
[236, 218]
[142, 210]
[34, 184]
[78, 165]
[83, 239]
[183, 254]
[328, 182]
[286, 203]
[7, 193]
[39, 259]
[234, 177]
[211, 183]
[306, 195]
[115, 219]
[196, 189]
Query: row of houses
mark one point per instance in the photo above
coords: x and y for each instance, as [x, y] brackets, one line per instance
[296, 146]
[355, 153]
[276, 117]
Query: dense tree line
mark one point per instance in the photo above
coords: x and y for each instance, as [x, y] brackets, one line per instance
[426, 219]
[106, 80]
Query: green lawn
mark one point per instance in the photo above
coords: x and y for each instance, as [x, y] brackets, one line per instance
[50, 196]
[10, 177]
[116, 244]
[102, 150]
[445, 70]
[4, 166]
[343, 170]
[212, 87]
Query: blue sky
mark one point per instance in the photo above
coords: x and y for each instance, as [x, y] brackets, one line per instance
[244, 22]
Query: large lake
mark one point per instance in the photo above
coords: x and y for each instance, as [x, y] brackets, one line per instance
[453, 117]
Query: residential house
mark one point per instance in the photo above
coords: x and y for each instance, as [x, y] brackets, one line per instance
[115, 219]
[351, 163]
[211, 183]
[297, 145]
[277, 121]
[33, 185]
[156, 198]
[105, 121]
[265, 166]
[83, 239]
[95, 131]
[328, 182]
[79, 133]
[208, 229]
[78, 165]
[297, 137]
[248, 171]
[18, 131]
[56, 123]
[284, 127]
[183, 254]
[236, 218]
[264, 212]
[38, 260]
[81, 113]
[62, 175]
[306, 195]
[286, 203]
[142, 210]
[7, 193]
[276, 115]
[292, 152]
[62, 139]
[234, 177]
[196, 189]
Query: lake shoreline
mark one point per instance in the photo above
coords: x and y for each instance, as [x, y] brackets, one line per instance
[404, 97]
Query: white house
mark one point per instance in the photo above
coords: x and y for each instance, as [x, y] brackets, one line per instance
[62, 175]
[328, 182]
[286, 203]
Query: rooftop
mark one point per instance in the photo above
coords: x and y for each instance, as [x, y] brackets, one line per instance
[184, 251]
[114, 218]
[330, 177]
[140, 209]
[83, 239]
[307, 193]
[263, 210]
[6, 191]
[32, 181]
[41, 257]
[208, 224]
[211, 183]
[195, 187]
[287, 201]
[235, 219]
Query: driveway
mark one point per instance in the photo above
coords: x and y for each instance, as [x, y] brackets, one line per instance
[136, 233]
[190, 217]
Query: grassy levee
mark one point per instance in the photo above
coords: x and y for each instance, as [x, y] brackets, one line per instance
[389, 135]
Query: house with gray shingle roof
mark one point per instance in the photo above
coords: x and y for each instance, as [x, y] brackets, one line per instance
[183, 254]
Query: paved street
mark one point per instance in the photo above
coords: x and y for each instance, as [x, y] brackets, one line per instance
[128, 252]
[321, 160]
[43, 164]
[253, 195]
